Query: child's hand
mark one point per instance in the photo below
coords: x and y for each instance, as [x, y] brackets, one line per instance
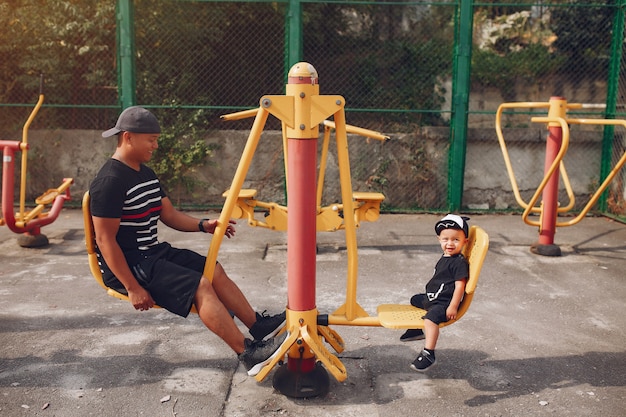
[451, 312]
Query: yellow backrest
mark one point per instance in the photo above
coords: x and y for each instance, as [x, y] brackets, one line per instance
[474, 251]
[90, 241]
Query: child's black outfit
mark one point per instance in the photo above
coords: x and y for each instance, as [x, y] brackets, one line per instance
[439, 292]
[440, 288]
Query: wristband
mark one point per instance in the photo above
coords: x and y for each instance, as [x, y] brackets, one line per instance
[201, 225]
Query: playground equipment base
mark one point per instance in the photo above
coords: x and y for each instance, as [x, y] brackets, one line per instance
[545, 250]
[296, 384]
[26, 240]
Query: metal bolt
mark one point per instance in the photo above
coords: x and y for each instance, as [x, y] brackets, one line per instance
[266, 102]
[302, 95]
[302, 126]
[338, 102]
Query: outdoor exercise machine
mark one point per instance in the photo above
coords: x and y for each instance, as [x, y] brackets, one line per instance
[28, 223]
[557, 143]
[302, 110]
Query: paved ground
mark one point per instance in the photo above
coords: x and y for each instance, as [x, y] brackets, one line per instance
[544, 336]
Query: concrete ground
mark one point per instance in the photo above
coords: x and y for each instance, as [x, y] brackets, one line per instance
[543, 336]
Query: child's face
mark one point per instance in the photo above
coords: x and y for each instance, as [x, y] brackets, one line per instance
[452, 241]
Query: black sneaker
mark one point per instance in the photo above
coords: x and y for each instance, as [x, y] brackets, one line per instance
[411, 335]
[423, 361]
[266, 326]
[259, 353]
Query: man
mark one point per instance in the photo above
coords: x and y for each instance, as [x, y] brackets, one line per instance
[127, 201]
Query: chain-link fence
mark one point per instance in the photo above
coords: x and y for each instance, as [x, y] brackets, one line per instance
[399, 64]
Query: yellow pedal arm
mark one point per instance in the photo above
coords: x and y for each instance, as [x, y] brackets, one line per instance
[332, 363]
[284, 348]
[331, 337]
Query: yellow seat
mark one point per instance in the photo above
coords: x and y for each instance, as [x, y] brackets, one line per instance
[246, 201]
[401, 316]
[90, 243]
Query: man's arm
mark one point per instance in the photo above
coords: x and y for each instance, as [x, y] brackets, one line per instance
[180, 221]
[106, 231]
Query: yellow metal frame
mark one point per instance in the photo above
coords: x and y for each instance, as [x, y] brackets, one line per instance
[241, 203]
[555, 118]
[329, 218]
[303, 330]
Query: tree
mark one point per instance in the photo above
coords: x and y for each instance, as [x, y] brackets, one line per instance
[584, 38]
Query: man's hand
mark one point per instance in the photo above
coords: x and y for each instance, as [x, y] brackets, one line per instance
[141, 299]
[230, 229]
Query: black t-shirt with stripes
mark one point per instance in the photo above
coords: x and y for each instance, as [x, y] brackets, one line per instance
[134, 197]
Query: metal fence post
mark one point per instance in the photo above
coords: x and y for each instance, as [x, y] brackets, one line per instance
[611, 97]
[293, 35]
[460, 103]
[126, 53]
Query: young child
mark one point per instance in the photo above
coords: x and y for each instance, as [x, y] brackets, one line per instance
[445, 289]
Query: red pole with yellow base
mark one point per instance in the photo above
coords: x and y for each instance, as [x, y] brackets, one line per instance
[301, 111]
[302, 377]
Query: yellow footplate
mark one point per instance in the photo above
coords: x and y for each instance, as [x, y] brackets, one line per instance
[47, 197]
[401, 316]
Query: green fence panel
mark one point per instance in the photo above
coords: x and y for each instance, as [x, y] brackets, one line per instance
[393, 61]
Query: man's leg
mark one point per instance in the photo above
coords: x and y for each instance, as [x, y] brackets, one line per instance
[216, 318]
[232, 298]
[261, 326]
[253, 354]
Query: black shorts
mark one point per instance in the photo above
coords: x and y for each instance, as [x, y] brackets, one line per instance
[436, 312]
[170, 275]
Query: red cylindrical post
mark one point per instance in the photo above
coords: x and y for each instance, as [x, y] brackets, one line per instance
[8, 164]
[551, 191]
[549, 206]
[301, 218]
[301, 377]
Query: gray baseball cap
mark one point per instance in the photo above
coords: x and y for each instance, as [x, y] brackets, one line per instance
[134, 119]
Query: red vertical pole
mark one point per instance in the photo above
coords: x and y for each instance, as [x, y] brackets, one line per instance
[301, 218]
[8, 166]
[551, 192]
[550, 202]
[301, 377]
[302, 85]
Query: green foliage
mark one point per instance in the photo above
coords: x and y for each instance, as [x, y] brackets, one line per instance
[201, 53]
[181, 151]
[225, 55]
[374, 55]
[584, 37]
[511, 49]
[533, 44]
[74, 42]
[503, 71]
